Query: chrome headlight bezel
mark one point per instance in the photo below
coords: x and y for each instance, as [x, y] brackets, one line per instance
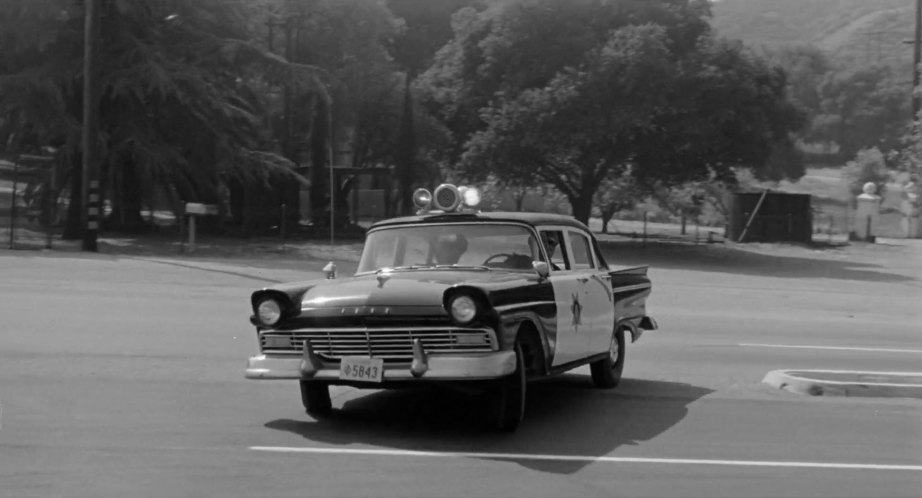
[268, 311]
[463, 309]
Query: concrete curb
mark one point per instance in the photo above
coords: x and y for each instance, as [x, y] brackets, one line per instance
[847, 383]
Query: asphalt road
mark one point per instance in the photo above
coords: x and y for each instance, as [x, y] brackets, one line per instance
[124, 377]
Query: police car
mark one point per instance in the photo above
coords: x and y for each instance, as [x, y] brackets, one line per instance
[450, 295]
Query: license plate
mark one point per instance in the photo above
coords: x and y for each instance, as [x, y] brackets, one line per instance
[361, 369]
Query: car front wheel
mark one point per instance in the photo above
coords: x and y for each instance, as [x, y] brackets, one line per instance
[509, 396]
[606, 373]
[316, 398]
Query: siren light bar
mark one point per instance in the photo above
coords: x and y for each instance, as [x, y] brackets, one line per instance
[446, 198]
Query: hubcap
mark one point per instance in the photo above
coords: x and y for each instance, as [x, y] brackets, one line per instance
[613, 349]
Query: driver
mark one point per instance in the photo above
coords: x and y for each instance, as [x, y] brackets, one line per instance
[448, 249]
[550, 244]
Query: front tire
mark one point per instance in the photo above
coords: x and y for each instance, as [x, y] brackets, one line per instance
[509, 396]
[606, 373]
[316, 398]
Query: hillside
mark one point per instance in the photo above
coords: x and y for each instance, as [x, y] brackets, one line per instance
[863, 31]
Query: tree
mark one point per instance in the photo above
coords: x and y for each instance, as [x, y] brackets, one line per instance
[577, 93]
[861, 108]
[616, 194]
[577, 130]
[181, 109]
[426, 29]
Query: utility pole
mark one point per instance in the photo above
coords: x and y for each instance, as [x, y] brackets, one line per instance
[91, 91]
[916, 60]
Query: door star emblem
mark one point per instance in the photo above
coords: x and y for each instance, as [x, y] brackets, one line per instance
[577, 310]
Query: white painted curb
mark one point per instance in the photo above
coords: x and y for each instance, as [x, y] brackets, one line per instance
[857, 384]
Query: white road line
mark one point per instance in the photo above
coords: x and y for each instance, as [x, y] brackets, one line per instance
[582, 458]
[833, 348]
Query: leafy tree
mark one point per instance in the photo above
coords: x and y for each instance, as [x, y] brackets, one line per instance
[180, 102]
[861, 108]
[805, 67]
[616, 194]
[575, 94]
[426, 29]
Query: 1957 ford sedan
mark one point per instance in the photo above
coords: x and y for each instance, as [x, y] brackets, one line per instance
[453, 295]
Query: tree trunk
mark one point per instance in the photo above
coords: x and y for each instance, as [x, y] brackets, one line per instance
[607, 214]
[520, 199]
[319, 157]
[582, 208]
[405, 154]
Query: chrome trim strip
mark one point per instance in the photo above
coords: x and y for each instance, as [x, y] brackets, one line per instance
[629, 288]
[509, 307]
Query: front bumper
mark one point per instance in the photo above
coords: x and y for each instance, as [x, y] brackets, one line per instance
[442, 368]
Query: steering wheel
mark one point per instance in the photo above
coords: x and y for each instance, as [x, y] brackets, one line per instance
[505, 255]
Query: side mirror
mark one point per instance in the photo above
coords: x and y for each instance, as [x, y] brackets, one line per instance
[330, 270]
[542, 268]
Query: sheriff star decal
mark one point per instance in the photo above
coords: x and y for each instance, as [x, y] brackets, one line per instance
[577, 310]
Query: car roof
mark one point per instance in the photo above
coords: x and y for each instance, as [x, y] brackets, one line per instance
[533, 219]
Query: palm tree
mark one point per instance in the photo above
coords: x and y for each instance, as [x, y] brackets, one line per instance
[182, 111]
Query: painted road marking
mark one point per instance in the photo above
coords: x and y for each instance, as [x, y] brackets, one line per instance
[581, 458]
[833, 348]
[796, 374]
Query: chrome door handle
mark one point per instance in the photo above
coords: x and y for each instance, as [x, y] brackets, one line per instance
[582, 279]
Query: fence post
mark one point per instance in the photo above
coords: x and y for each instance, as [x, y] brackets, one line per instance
[191, 232]
[49, 208]
[282, 222]
[13, 203]
[182, 232]
[644, 240]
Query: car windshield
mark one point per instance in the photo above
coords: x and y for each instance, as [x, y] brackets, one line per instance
[482, 245]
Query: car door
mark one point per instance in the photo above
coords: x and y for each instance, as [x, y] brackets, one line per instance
[598, 312]
[570, 338]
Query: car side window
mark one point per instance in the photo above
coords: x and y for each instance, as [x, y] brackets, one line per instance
[582, 251]
[556, 249]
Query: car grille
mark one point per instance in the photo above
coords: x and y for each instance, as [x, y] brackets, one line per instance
[390, 344]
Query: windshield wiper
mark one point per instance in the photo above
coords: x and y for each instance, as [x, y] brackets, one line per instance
[473, 267]
[400, 268]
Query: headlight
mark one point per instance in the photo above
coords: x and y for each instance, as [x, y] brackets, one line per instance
[268, 311]
[463, 309]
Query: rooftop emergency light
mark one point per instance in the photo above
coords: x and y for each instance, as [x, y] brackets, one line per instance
[447, 198]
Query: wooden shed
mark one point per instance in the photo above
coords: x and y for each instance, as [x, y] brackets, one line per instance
[779, 217]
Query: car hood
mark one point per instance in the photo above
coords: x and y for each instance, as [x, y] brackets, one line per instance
[403, 288]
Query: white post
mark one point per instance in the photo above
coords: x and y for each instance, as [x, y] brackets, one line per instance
[867, 213]
[911, 208]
